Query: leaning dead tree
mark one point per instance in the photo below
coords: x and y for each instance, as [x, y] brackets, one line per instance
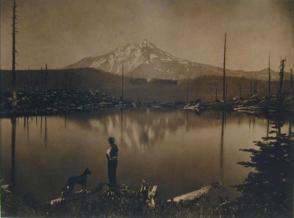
[282, 69]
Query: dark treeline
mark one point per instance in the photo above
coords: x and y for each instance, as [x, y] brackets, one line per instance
[267, 191]
[205, 87]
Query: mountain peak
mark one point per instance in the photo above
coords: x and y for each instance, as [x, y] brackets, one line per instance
[146, 43]
[145, 60]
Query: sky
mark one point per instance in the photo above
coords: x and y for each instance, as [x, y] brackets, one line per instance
[61, 32]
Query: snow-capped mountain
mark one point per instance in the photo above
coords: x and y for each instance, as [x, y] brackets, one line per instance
[145, 60]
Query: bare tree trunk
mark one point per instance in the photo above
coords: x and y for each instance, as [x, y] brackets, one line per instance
[269, 75]
[240, 89]
[14, 54]
[221, 164]
[0, 52]
[122, 83]
[187, 92]
[291, 81]
[224, 69]
[251, 87]
[282, 68]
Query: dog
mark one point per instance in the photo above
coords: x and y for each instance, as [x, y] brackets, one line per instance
[76, 180]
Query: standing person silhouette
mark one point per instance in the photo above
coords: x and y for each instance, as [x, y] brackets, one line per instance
[112, 155]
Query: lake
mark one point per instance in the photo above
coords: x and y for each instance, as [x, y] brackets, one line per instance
[178, 150]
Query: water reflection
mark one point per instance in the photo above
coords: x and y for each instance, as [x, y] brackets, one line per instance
[45, 132]
[268, 189]
[1, 174]
[143, 128]
[221, 164]
[13, 150]
[41, 126]
[121, 126]
[27, 127]
[178, 150]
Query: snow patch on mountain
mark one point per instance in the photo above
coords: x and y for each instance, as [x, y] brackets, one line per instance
[152, 56]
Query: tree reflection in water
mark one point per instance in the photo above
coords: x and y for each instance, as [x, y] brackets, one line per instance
[267, 191]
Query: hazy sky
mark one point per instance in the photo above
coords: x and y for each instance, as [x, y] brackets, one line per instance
[60, 32]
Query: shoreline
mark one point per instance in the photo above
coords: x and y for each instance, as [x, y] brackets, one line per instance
[64, 102]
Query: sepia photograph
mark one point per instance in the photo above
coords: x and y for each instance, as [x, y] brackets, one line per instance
[147, 108]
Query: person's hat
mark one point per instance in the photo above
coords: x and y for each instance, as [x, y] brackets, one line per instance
[111, 140]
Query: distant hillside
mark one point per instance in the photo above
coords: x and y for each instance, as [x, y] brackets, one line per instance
[204, 87]
[147, 61]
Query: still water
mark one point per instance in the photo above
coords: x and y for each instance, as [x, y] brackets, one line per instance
[178, 150]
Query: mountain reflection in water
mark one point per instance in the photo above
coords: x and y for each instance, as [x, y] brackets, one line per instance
[178, 150]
